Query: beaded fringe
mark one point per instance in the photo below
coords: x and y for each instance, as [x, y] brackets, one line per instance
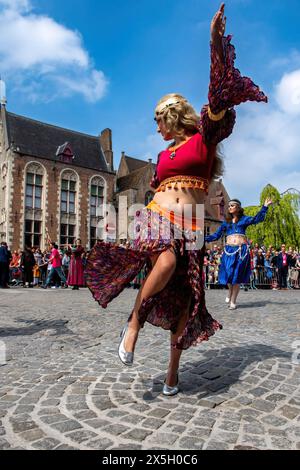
[195, 182]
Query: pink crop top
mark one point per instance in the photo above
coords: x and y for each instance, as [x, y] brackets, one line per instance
[190, 159]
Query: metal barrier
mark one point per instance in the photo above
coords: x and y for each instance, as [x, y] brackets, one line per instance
[294, 278]
[261, 278]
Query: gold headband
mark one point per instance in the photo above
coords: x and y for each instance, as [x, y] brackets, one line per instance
[160, 108]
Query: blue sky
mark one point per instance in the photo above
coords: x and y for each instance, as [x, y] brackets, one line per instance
[91, 64]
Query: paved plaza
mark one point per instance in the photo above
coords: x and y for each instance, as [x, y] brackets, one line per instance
[63, 386]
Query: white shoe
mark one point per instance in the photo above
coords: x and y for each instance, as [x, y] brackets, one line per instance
[232, 306]
[125, 357]
[227, 300]
[170, 391]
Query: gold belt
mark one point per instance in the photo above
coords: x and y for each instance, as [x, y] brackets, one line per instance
[195, 182]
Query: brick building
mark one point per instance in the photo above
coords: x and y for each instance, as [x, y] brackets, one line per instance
[51, 180]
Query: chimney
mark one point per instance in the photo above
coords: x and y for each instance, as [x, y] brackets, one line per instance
[106, 144]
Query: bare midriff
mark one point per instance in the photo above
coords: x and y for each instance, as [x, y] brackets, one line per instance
[176, 198]
[236, 240]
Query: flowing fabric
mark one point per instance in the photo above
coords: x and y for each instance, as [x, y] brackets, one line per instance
[110, 267]
[106, 278]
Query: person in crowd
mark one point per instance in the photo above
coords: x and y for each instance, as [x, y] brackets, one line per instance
[27, 263]
[66, 261]
[283, 262]
[14, 267]
[294, 270]
[76, 269]
[9, 258]
[3, 265]
[260, 265]
[55, 261]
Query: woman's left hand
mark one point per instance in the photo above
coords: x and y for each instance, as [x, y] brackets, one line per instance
[268, 201]
[217, 27]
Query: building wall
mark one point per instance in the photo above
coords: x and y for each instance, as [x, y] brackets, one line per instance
[51, 198]
[144, 185]
[123, 168]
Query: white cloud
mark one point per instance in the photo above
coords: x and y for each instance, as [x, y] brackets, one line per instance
[288, 93]
[18, 5]
[265, 145]
[43, 56]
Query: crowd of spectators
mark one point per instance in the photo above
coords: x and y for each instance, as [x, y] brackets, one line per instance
[31, 267]
[271, 267]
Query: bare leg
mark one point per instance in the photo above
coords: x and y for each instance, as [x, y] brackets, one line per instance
[229, 292]
[163, 268]
[235, 293]
[175, 354]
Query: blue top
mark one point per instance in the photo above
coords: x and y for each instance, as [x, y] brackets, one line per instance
[238, 228]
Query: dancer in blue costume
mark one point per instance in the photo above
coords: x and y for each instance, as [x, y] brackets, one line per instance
[235, 264]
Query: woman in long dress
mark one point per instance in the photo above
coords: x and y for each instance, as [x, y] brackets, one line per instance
[172, 294]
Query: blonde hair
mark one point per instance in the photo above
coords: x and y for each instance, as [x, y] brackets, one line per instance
[180, 117]
[178, 114]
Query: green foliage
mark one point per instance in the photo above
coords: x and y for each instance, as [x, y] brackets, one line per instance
[282, 223]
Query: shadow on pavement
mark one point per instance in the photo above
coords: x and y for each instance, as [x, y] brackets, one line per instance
[59, 327]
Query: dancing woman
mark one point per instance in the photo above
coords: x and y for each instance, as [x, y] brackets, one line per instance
[172, 294]
[235, 266]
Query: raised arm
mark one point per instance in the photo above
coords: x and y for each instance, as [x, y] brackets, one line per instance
[218, 233]
[227, 87]
[260, 216]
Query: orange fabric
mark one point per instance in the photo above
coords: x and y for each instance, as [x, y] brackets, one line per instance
[191, 224]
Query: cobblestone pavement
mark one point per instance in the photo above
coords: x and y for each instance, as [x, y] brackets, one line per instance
[63, 386]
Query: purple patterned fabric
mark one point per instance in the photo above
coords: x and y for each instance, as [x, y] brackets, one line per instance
[110, 268]
[227, 88]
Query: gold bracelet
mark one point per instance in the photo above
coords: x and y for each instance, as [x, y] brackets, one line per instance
[216, 117]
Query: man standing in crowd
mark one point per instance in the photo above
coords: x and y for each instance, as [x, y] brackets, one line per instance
[283, 262]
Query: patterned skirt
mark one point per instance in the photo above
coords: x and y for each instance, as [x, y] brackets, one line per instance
[110, 268]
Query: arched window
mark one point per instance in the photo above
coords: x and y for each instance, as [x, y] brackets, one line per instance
[97, 196]
[148, 197]
[97, 200]
[68, 198]
[34, 186]
[68, 192]
[34, 181]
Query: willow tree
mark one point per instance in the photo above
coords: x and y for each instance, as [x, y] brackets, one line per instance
[282, 223]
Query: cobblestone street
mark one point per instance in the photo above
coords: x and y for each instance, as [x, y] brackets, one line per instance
[63, 386]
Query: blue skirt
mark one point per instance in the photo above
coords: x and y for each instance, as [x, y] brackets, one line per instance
[235, 268]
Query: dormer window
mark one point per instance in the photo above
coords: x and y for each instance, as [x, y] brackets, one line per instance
[65, 153]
